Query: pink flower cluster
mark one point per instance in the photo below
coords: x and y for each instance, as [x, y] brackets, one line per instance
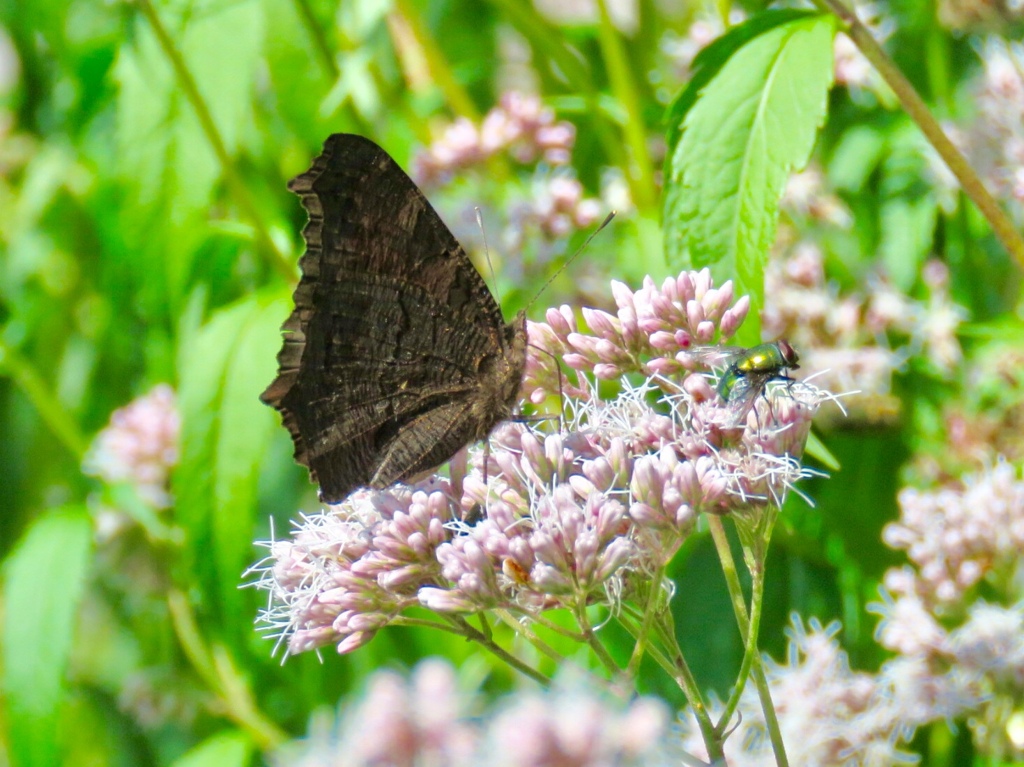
[960, 654]
[346, 573]
[549, 539]
[420, 721]
[995, 141]
[946, 673]
[955, 537]
[557, 208]
[140, 446]
[654, 332]
[574, 725]
[520, 124]
[563, 520]
[828, 713]
[428, 721]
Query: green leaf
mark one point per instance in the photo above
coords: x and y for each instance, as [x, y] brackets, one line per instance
[855, 158]
[166, 160]
[751, 124]
[908, 228]
[908, 208]
[300, 64]
[817, 449]
[225, 749]
[44, 580]
[225, 435]
[710, 60]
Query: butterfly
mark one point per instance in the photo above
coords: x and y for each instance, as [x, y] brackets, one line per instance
[396, 354]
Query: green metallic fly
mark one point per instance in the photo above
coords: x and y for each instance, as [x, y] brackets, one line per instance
[747, 372]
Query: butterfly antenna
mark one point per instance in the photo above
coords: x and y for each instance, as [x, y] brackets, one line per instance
[487, 253]
[591, 236]
[561, 394]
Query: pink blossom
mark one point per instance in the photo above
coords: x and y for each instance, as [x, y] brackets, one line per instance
[140, 445]
[570, 519]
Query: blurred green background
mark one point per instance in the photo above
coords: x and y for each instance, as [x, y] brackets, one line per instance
[147, 237]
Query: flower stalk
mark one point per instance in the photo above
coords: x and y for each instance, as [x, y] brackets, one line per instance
[1002, 226]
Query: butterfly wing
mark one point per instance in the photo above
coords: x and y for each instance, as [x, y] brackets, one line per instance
[396, 354]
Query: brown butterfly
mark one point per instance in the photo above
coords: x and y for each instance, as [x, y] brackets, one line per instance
[396, 355]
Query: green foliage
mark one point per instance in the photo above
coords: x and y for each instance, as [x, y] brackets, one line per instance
[44, 578]
[225, 749]
[744, 123]
[226, 432]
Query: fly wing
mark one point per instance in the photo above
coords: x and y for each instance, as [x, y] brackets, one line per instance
[714, 357]
[742, 396]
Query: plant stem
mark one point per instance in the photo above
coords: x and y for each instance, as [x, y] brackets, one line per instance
[686, 681]
[323, 50]
[732, 579]
[440, 72]
[595, 644]
[485, 627]
[209, 128]
[755, 535]
[650, 612]
[491, 646]
[45, 401]
[626, 91]
[509, 620]
[750, 658]
[540, 620]
[973, 187]
[405, 620]
[221, 676]
[632, 625]
[757, 669]
[771, 720]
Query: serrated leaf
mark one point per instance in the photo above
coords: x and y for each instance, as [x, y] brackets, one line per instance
[225, 434]
[44, 578]
[710, 60]
[751, 124]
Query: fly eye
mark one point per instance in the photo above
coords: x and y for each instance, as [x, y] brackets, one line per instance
[789, 355]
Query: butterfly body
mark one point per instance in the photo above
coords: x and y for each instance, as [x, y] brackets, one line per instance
[396, 355]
